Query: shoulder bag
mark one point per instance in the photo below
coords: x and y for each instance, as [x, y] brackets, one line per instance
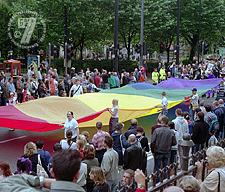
[40, 169]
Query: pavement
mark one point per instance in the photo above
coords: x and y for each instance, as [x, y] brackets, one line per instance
[12, 143]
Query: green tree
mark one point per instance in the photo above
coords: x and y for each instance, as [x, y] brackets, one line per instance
[5, 43]
[129, 23]
[161, 24]
[202, 20]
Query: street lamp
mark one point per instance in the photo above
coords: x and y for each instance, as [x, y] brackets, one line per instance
[65, 37]
[116, 31]
[142, 33]
[178, 34]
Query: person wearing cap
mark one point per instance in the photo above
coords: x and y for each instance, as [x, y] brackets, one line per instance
[12, 99]
[194, 101]
[71, 124]
[119, 141]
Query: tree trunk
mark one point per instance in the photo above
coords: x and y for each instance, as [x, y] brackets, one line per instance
[194, 43]
[128, 49]
[81, 47]
[168, 54]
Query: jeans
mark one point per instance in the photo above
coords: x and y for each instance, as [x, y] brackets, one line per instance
[99, 155]
[173, 157]
[112, 123]
[197, 147]
[161, 160]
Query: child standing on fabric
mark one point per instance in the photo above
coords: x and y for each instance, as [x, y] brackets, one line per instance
[164, 104]
[114, 111]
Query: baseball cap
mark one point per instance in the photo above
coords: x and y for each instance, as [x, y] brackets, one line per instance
[194, 89]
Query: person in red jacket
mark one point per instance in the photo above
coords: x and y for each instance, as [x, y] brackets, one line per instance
[97, 80]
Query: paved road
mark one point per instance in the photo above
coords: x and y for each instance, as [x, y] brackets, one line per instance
[12, 143]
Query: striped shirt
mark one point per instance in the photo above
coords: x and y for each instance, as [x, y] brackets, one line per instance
[98, 140]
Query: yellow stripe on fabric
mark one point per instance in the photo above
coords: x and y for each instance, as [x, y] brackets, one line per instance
[100, 101]
[54, 109]
[126, 114]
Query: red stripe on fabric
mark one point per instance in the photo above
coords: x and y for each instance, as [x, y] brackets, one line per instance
[11, 112]
[29, 125]
[15, 119]
[91, 117]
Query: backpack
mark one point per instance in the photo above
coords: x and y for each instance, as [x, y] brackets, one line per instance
[139, 141]
[144, 155]
[214, 126]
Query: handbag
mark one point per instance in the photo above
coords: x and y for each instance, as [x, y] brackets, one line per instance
[40, 169]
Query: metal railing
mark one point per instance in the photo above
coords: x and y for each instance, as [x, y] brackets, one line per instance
[170, 175]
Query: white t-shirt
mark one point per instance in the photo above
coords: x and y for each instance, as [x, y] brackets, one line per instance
[195, 101]
[77, 90]
[115, 111]
[71, 125]
[66, 146]
[164, 103]
[56, 84]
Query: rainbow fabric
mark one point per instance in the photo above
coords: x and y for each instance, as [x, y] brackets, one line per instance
[135, 100]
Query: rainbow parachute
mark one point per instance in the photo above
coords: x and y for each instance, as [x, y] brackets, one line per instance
[135, 100]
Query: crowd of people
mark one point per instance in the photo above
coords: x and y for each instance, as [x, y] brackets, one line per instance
[41, 82]
[116, 160]
[205, 70]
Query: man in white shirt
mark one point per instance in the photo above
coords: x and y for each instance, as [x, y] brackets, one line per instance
[76, 89]
[71, 124]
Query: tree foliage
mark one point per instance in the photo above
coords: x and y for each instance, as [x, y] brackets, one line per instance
[91, 22]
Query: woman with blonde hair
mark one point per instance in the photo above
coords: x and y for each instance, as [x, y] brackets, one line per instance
[80, 146]
[30, 152]
[215, 180]
[114, 111]
[97, 175]
[189, 184]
